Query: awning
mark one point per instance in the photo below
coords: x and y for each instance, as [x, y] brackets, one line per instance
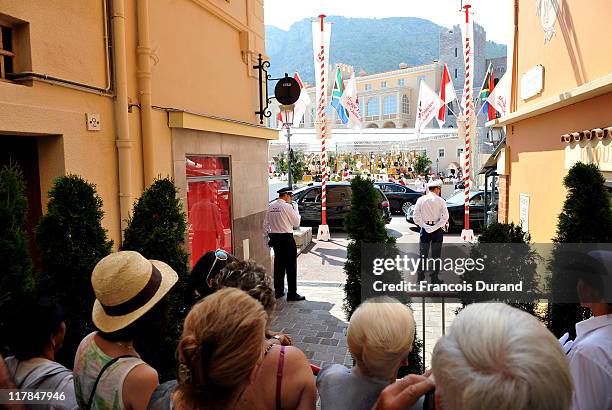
[492, 160]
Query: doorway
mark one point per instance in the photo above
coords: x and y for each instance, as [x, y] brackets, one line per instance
[23, 150]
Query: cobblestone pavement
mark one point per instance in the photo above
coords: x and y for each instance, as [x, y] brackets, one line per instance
[318, 325]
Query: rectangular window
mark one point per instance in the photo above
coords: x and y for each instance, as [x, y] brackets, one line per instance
[373, 109]
[383, 84]
[456, 53]
[368, 87]
[441, 152]
[7, 55]
[209, 212]
[401, 82]
[455, 73]
[459, 152]
[389, 105]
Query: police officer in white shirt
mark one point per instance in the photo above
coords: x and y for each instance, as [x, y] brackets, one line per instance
[590, 354]
[283, 215]
[431, 214]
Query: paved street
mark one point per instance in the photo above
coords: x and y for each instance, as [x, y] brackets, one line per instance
[318, 324]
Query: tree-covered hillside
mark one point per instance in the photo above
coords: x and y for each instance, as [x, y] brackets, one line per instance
[376, 45]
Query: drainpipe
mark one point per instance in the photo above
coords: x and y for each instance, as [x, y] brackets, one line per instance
[124, 143]
[144, 90]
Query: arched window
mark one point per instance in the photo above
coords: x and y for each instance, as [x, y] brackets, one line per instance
[373, 107]
[405, 105]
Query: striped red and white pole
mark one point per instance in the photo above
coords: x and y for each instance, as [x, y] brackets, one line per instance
[468, 117]
[322, 117]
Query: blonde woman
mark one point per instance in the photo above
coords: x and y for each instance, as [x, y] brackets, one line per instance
[219, 352]
[380, 337]
[285, 380]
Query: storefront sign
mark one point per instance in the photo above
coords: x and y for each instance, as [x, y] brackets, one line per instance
[598, 152]
[532, 82]
[524, 211]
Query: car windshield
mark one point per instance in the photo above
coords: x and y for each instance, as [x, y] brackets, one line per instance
[457, 199]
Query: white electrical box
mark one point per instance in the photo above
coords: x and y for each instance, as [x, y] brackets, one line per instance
[93, 122]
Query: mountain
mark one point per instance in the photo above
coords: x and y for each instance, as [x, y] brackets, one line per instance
[376, 45]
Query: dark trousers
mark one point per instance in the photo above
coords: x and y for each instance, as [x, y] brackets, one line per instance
[431, 241]
[285, 262]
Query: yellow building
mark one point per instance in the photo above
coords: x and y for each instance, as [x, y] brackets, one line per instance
[122, 91]
[562, 91]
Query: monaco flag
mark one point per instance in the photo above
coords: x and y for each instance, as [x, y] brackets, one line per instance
[447, 95]
[428, 106]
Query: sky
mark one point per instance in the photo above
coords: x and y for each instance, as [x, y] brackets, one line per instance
[494, 15]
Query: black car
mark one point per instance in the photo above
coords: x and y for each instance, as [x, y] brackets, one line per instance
[456, 211]
[400, 197]
[338, 203]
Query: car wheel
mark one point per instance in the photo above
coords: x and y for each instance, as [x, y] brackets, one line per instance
[405, 207]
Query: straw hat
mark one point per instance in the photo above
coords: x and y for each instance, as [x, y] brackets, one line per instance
[127, 285]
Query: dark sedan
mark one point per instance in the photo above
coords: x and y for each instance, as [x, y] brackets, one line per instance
[400, 197]
[456, 211]
[338, 203]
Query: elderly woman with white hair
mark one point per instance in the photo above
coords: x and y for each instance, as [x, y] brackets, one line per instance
[380, 337]
[495, 356]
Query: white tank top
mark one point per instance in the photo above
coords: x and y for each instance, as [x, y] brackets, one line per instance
[88, 363]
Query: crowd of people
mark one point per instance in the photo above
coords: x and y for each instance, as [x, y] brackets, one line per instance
[228, 357]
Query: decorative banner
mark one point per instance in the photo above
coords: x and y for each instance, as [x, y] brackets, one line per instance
[351, 103]
[500, 97]
[321, 36]
[427, 107]
[302, 103]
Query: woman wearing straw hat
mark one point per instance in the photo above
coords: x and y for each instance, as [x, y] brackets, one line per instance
[108, 372]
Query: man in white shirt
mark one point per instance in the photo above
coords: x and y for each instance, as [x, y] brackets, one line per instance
[590, 354]
[431, 214]
[283, 215]
[419, 184]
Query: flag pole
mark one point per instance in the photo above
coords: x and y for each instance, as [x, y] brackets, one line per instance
[323, 233]
[467, 234]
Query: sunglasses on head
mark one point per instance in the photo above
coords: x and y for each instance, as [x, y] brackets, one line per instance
[220, 255]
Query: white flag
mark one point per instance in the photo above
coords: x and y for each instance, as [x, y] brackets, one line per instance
[500, 97]
[427, 108]
[351, 103]
[321, 61]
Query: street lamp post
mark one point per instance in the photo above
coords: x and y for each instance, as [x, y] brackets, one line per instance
[287, 120]
[438, 165]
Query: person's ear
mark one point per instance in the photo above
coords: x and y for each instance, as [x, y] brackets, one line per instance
[254, 373]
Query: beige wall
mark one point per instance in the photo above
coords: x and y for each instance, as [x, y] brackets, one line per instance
[577, 54]
[66, 41]
[249, 182]
[537, 161]
[195, 46]
[203, 51]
